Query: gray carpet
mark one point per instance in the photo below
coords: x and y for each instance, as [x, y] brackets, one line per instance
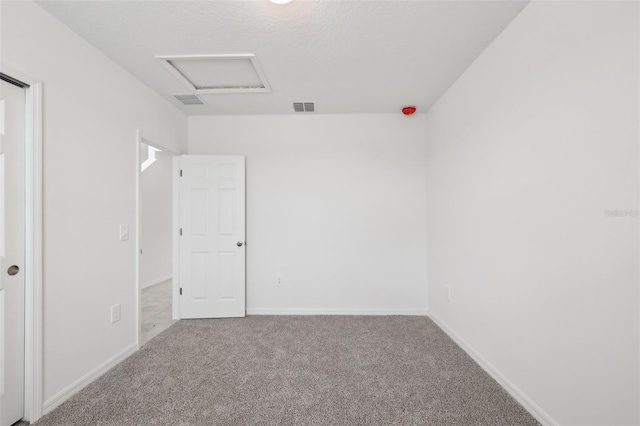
[294, 370]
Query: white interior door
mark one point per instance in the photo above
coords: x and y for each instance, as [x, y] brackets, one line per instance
[12, 246]
[212, 241]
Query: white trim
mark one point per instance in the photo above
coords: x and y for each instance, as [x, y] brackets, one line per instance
[517, 394]
[138, 300]
[165, 60]
[33, 257]
[330, 311]
[85, 380]
[176, 238]
[155, 281]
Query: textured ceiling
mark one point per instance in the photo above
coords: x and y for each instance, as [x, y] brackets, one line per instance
[347, 56]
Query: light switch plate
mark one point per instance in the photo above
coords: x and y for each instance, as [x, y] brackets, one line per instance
[124, 232]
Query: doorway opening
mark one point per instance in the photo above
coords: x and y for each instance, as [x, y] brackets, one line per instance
[155, 245]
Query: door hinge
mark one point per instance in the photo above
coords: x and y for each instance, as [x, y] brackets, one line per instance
[140, 251]
[2, 117]
[180, 231]
[180, 172]
[180, 291]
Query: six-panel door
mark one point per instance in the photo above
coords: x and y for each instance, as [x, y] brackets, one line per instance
[212, 244]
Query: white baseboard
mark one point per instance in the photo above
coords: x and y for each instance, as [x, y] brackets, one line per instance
[276, 311]
[155, 281]
[66, 393]
[517, 394]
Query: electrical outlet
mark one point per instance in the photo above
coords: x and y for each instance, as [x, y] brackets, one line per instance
[115, 313]
[279, 280]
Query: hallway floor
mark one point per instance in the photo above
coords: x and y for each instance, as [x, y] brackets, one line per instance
[156, 310]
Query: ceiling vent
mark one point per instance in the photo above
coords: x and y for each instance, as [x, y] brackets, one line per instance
[304, 106]
[189, 99]
[212, 74]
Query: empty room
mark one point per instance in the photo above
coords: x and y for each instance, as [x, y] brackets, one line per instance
[319, 212]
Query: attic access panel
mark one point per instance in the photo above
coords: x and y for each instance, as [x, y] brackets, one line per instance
[210, 74]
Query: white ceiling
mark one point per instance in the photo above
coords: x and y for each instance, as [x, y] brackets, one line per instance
[347, 56]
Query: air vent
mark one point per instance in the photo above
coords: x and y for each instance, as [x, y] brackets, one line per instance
[189, 99]
[304, 106]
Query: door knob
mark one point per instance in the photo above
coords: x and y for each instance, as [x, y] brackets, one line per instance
[13, 269]
[239, 243]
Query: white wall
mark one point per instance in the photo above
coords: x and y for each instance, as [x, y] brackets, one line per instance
[156, 197]
[335, 203]
[92, 109]
[525, 153]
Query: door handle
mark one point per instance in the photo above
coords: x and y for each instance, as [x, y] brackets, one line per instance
[239, 243]
[13, 270]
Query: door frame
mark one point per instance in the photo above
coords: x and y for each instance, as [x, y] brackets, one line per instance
[33, 390]
[141, 138]
[175, 291]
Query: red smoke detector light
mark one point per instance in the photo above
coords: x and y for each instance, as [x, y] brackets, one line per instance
[408, 110]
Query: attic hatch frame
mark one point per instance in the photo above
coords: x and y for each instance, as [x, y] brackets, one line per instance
[166, 61]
